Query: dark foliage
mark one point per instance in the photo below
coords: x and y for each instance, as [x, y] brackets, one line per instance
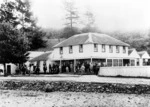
[35, 37]
[13, 45]
[65, 86]
[18, 14]
[68, 32]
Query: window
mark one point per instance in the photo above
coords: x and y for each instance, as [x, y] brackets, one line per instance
[103, 48]
[117, 49]
[132, 62]
[137, 62]
[120, 62]
[124, 49]
[110, 49]
[115, 62]
[95, 47]
[109, 62]
[144, 61]
[70, 49]
[81, 48]
[61, 50]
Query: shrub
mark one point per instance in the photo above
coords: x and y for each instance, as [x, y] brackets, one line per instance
[49, 88]
[65, 86]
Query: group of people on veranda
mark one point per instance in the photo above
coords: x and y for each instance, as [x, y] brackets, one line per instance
[66, 67]
[53, 69]
[82, 67]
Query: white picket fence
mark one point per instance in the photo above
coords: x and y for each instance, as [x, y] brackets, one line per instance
[136, 71]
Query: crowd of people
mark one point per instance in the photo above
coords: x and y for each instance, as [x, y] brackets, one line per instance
[53, 69]
[22, 69]
[80, 67]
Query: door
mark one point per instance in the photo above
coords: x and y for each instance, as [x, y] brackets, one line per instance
[8, 69]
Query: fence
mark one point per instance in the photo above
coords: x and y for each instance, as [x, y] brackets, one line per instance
[137, 71]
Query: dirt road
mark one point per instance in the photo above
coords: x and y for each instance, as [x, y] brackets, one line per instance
[80, 78]
[9, 98]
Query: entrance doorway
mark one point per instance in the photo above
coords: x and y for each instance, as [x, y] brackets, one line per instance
[126, 62]
[8, 69]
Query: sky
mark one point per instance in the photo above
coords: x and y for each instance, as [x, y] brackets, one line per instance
[110, 15]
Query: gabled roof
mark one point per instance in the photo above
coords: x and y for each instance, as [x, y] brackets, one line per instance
[130, 51]
[133, 53]
[42, 57]
[141, 53]
[144, 54]
[33, 54]
[87, 38]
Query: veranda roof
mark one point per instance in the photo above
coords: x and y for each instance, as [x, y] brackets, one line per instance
[42, 57]
[87, 38]
[142, 53]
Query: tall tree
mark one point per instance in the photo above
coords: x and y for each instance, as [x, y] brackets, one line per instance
[18, 13]
[7, 11]
[24, 14]
[36, 38]
[90, 19]
[71, 15]
[89, 22]
[13, 45]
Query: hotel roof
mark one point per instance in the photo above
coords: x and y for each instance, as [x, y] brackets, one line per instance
[42, 57]
[90, 38]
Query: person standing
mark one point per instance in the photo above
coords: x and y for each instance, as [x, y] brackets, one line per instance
[71, 67]
[91, 67]
[37, 70]
[50, 68]
[44, 68]
[24, 69]
[67, 69]
[82, 69]
[98, 68]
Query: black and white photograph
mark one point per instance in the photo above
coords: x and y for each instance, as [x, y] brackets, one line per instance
[74, 53]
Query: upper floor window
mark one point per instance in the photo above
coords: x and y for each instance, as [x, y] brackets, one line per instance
[95, 47]
[117, 49]
[110, 49]
[124, 49]
[61, 50]
[80, 48]
[103, 48]
[70, 49]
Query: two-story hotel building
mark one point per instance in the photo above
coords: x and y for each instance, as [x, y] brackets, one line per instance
[93, 48]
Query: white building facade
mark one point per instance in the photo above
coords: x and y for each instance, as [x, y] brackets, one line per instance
[92, 48]
[134, 57]
[144, 57]
[90, 51]
[41, 61]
